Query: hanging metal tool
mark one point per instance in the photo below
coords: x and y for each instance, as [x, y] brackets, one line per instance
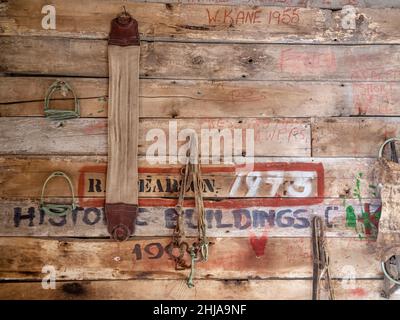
[320, 261]
[55, 209]
[58, 114]
[388, 240]
[198, 251]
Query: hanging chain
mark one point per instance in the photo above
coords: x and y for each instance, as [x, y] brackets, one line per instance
[198, 251]
[320, 260]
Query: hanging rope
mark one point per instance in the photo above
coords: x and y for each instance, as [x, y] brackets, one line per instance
[58, 114]
[53, 209]
[320, 260]
[198, 251]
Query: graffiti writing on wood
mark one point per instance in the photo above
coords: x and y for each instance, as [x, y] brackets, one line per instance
[232, 16]
[308, 61]
[234, 219]
[373, 98]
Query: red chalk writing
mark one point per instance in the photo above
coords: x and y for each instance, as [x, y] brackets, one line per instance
[373, 98]
[233, 16]
[287, 16]
[307, 61]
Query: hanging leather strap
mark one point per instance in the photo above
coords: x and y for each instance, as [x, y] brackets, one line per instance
[123, 127]
[198, 251]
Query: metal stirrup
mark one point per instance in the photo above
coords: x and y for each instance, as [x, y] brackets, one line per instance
[58, 114]
[59, 210]
[380, 154]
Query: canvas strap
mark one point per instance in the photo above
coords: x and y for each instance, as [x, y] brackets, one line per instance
[123, 127]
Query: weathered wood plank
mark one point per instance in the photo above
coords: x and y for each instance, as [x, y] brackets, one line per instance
[177, 290]
[207, 23]
[23, 96]
[22, 177]
[89, 137]
[73, 57]
[280, 198]
[224, 218]
[329, 4]
[24, 258]
[360, 137]
[332, 137]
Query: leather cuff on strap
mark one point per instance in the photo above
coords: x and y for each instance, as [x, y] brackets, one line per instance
[124, 31]
[121, 218]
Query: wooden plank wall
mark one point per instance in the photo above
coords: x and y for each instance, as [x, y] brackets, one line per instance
[318, 84]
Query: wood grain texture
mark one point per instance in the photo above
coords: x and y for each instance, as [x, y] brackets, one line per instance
[331, 137]
[73, 57]
[177, 290]
[229, 218]
[23, 96]
[222, 23]
[24, 258]
[89, 136]
[330, 4]
[352, 136]
[298, 84]
[22, 177]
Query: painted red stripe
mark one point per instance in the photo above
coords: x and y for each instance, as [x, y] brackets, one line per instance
[226, 203]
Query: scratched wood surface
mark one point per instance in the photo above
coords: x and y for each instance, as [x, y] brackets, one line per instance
[352, 136]
[331, 137]
[23, 96]
[78, 57]
[89, 136]
[321, 91]
[221, 23]
[177, 290]
[146, 258]
[227, 218]
[329, 4]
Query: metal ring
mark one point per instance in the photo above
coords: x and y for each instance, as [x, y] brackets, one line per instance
[384, 144]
